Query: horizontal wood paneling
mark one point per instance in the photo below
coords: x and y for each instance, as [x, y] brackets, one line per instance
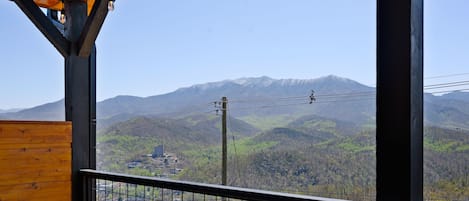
[34, 133]
[35, 161]
[37, 191]
[49, 157]
[34, 146]
[16, 151]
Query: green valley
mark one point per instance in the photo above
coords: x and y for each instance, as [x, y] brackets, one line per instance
[309, 155]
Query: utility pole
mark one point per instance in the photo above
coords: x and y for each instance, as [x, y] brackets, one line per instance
[224, 102]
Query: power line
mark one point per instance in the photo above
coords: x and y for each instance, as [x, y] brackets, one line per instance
[268, 99]
[234, 146]
[350, 100]
[298, 104]
[333, 101]
[355, 96]
[344, 99]
[347, 94]
[447, 86]
[211, 111]
[269, 106]
[449, 91]
[340, 97]
[447, 83]
[438, 77]
[329, 101]
[443, 76]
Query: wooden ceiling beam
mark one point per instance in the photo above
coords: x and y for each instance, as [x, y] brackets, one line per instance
[93, 25]
[44, 24]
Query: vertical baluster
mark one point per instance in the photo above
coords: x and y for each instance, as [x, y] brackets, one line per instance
[135, 192]
[105, 190]
[97, 194]
[119, 192]
[112, 190]
[127, 191]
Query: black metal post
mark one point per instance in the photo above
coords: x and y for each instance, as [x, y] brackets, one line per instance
[80, 96]
[399, 116]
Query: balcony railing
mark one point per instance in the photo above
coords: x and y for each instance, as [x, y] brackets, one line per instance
[105, 186]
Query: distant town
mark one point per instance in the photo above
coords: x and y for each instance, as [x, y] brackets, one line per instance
[161, 163]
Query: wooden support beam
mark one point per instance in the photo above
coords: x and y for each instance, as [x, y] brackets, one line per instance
[80, 97]
[399, 115]
[92, 27]
[43, 23]
[81, 110]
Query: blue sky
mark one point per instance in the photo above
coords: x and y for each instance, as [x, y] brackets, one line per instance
[157, 46]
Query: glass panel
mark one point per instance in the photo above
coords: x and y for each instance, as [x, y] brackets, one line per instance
[446, 137]
[299, 81]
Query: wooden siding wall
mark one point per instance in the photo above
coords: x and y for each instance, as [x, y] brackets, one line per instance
[35, 161]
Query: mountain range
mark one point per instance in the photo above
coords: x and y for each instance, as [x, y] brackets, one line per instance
[262, 99]
[10, 110]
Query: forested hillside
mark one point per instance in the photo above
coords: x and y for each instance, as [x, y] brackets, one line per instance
[311, 155]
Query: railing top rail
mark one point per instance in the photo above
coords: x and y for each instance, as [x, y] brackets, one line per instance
[209, 189]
